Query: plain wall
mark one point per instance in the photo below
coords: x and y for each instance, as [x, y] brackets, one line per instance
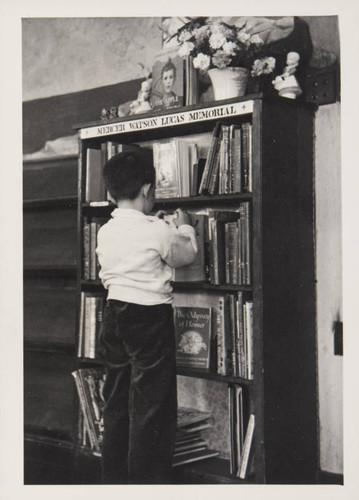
[69, 55]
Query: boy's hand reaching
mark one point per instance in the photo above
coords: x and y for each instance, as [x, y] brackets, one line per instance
[181, 217]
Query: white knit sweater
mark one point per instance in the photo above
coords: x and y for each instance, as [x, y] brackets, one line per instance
[137, 254]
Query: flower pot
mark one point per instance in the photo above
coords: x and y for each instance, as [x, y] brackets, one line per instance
[228, 82]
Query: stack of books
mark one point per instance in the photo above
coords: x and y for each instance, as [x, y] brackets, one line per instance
[191, 436]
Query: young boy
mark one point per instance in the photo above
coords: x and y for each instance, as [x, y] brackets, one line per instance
[137, 254]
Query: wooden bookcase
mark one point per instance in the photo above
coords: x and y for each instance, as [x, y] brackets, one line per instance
[283, 393]
[49, 230]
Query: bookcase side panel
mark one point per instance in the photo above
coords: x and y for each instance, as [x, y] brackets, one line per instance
[288, 280]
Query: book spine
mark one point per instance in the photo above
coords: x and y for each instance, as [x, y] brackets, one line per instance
[220, 337]
[212, 151]
[240, 338]
[231, 412]
[233, 353]
[249, 328]
[226, 146]
[247, 447]
[86, 251]
[231, 252]
[238, 397]
[214, 171]
[236, 161]
[246, 155]
[247, 244]
[81, 325]
[93, 327]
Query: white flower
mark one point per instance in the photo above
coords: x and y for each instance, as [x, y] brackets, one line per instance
[201, 33]
[230, 48]
[186, 49]
[221, 60]
[243, 37]
[263, 66]
[217, 40]
[184, 36]
[216, 27]
[256, 39]
[202, 62]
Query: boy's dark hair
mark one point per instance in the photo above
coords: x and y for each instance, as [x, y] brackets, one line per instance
[125, 173]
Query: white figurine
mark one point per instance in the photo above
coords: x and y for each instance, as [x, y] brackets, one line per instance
[141, 105]
[286, 83]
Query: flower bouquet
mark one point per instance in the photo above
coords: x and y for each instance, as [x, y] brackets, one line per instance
[216, 46]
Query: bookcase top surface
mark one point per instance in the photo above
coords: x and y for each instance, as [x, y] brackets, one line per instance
[180, 116]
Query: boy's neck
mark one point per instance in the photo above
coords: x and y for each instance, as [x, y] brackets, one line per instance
[136, 204]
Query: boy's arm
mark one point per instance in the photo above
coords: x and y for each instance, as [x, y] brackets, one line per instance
[180, 243]
[181, 248]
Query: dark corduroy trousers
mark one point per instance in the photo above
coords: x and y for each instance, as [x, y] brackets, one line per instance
[137, 344]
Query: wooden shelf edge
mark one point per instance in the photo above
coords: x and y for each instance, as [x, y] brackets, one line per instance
[48, 203]
[50, 158]
[198, 200]
[46, 437]
[54, 347]
[183, 372]
[183, 285]
[50, 271]
[177, 110]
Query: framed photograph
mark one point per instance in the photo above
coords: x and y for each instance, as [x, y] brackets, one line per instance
[167, 80]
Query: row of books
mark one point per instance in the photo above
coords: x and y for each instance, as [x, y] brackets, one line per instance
[192, 431]
[225, 346]
[90, 264]
[180, 172]
[226, 169]
[241, 439]
[224, 247]
[91, 314]
[216, 340]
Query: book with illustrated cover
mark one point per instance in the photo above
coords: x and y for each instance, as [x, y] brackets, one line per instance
[165, 156]
[167, 80]
[195, 271]
[193, 337]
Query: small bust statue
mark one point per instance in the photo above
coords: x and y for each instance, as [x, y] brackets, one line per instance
[141, 104]
[286, 83]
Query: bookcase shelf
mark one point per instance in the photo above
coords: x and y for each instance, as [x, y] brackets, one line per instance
[56, 347]
[50, 271]
[282, 394]
[96, 285]
[229, 200]
[213, 376]
[46, 203]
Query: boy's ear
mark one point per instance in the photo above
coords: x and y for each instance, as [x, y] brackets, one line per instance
[146, 188]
